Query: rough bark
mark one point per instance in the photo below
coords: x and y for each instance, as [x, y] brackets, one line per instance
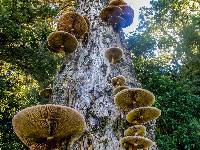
[84, 82]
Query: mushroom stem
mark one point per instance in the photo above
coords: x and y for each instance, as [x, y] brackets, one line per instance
[132, 147]
[113, 60]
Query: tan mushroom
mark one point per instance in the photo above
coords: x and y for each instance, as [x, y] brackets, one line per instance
[127, 14]
[118, 89]
[113, 54]
[117, 2]
[87, 21]
[48, 126]
[129, 99]
[46, 93]
[136, 142]
[119, 80]
[61, 41]
[73, 23]
[109, 12]
[143, 114]
[136, 130]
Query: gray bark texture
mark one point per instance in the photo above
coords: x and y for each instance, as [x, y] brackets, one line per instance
[84, 83]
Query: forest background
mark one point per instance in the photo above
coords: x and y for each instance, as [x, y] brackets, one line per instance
[165, 51]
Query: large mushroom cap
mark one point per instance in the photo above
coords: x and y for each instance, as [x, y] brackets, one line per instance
[137, 142]
[119, 88]
[143, 114]
[73, 23]
[46, 93]
[113, 54]
[129, 99]
[38, 124]
[127, 14]
[109, 12]
[119, 80]
[62, 41]
[117, 3]
[136, 130]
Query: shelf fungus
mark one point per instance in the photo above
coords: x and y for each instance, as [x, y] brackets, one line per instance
[119, 80]
[61, 41]
[117, 3]
[109, 12]
[118, 89]
[46, 93]
[136, 142]
[143, 114]
[45, 127]
[73, 23]
[136, 130]
[129, 99]
[113, 54]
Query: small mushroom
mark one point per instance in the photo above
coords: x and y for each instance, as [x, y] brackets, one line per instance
[136, 130]
[73, 23]
[129, 99]
[143, 114]
[136, 142]
[117, 3]
[46, 93]
[110, 11]
[45, 127]
[61, 41]
[113, 54]
[118, 89]
[119, 80]
[127, 14]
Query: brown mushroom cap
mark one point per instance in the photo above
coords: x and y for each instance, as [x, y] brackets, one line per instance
[119, 80]
[135, 131]
[127, 14]
[143, 114]
[113, 54]
[62, 41]
[38, 124]
[119, 88]
[73, 23]
[110, 11]
[138, 142]
[117, 2]
[129, 99]
[87, 21]
[46, 93]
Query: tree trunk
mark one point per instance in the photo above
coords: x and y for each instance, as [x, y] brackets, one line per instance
[84, 82]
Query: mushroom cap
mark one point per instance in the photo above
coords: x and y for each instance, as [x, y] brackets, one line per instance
[117, 2]
[135, 131]
[87, 21]
[127, 14]
[46, 93]
[117, 22]
[119, 88]
[119, 80]
[73, 23]
[129, 99]
[138, 142]
[113, 54]
[110, 11]
[143, 114]
[35, 125]
[62, 41]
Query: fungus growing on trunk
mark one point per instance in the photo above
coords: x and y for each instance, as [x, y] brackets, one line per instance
[118, 89]
[46, 93]
[136, 142]
[48, 126]
[73, 23]
[119, 80]
[117, 3]
[61, 41]
[109, 12]
[113, 54]
[136, 130]
[143, 114]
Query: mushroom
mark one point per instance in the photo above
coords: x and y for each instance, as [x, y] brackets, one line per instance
[46, 93]
[113, 54]
[118, 89]
[119, 80]
[129, 99]
[73, 23]
[117, 2]
[136, 142]
[45, 127]
[127, 14]
[87, 21]
[110, 11]
[143, 114]
[61, 41]
[117, 22]
[136, 130]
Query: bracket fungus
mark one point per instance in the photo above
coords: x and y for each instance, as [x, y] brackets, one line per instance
[109, 12]
[118, 89]
[136, 142]
[73, 23]
[48, 126]
[46, 93]
[136, 130]
[61, 41]
[143, 114]
[129, 99]
[117, 3]
[113, 54]
[119, 80]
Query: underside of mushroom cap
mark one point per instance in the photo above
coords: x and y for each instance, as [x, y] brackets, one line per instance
[117, 2]
[73, 23]
[127, 14]
[117, 22]
[137, 142]
[62, 41]
[109, 12]
[36, 125]
[129, 99]
[143, 114]
[119, 80]
[113, 54]
[118, 89]
[136, 130]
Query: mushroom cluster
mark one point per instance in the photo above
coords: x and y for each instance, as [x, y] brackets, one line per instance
[136, 104]
[45, 127]
[118, 14]
[113, 54]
